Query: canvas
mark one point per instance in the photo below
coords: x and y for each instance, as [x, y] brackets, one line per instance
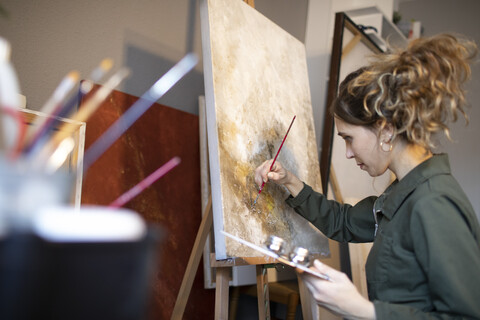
[256, 80]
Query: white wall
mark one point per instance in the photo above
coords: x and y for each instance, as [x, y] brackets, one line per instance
[458, 16]
[51, 37]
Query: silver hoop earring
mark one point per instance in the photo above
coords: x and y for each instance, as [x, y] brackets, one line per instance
[390, 146]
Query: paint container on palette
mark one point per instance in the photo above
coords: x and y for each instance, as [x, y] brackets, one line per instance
[92, 263]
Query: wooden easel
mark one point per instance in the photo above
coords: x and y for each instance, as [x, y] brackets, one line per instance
[223, 267]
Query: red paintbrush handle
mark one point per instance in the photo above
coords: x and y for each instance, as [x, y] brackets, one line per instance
[280, 148]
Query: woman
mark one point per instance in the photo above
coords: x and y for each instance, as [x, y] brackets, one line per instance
[425, 260]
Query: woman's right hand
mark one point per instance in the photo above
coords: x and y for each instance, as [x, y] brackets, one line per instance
[263, 173]
[278, 175]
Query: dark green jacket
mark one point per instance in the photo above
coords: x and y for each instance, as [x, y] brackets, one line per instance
[425, 259]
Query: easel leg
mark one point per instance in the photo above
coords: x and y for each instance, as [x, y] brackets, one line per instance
[293, 300]
[192, 266]
[306, 300]
[221, 293]
[262, 293]
[232, 310]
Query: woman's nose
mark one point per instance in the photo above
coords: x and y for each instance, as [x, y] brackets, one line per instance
[349, 153]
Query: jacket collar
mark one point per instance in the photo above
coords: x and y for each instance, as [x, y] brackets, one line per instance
[398, 191]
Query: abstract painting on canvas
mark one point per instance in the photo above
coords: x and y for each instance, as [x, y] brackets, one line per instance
[256, 81]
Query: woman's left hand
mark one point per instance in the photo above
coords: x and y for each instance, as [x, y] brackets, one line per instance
[339, 295]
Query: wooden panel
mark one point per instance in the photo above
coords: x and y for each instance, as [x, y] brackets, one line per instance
[173, 202]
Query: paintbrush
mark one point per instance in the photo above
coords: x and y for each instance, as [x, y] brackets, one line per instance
[145, 183]
[10, 118]
[56, 107]
[99, 72]
[86, 86]
[274, 159]
[51, 107]
[85, 111]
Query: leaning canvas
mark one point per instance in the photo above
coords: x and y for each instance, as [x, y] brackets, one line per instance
[256, 80]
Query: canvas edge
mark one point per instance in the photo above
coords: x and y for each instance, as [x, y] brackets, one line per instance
[212, 133]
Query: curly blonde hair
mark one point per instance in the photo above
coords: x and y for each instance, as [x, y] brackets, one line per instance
[418, 90]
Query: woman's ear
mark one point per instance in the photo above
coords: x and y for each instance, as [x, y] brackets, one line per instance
[386, 133]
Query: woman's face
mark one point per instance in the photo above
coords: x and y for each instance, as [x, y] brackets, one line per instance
[363, 145]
